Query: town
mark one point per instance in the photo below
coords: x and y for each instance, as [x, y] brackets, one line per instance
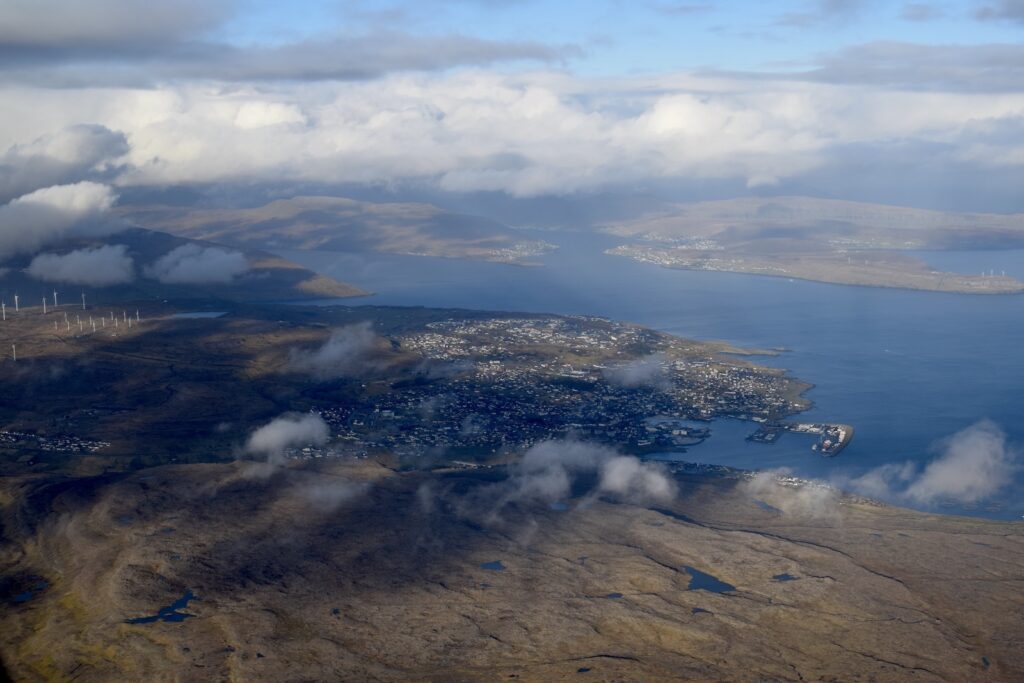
[501, 385]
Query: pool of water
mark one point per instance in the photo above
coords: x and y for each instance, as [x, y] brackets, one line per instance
[701, 581]
[171, 613]
[199, 314]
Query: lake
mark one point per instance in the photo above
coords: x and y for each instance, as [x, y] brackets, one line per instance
[905, 368]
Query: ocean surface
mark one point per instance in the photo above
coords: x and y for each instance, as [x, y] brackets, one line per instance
[907, 369]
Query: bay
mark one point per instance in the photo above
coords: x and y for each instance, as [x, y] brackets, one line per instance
[907, 369]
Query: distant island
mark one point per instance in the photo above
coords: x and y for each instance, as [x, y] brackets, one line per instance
[338, 224]
[204, 271]
[822, 240]
[869, 268]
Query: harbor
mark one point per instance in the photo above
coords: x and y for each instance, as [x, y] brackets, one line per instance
[832, 437]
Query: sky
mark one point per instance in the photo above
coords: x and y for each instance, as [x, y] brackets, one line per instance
[916, 103]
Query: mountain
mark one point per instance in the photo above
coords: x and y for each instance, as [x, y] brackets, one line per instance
[338, 224]
[230, 274]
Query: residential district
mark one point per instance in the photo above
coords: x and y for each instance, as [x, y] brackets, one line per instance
[500, 385]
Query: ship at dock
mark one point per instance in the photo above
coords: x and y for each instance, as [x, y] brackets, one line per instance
[832, 438]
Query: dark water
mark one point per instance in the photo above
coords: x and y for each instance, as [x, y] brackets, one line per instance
[31, 592]
[613, 596]
[170, 613]
[199, 314]
[782, 578]
[699, 581]
[495, 566]
[904, 368]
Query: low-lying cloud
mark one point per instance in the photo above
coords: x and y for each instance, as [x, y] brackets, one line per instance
[99, 266]
[805, 499]
[648, 371]
[553, 471]
[194, 264]
[972, 465]
[51, 214]
[349, 352]
[327, 494]
[288, 431]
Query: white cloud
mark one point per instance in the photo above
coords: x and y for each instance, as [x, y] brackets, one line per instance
[549, 470]
[100, 266]
[347, 353]
[808, 499]
[972, 465]
[288, 431]
[632, 479]
[195, 264]
[642, 372]
[54, 213]
[328, 494]
[525, 134]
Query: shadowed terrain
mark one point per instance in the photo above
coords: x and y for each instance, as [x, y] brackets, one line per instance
[267, 277]
[135, 531]
[338, 224]
[420, 575]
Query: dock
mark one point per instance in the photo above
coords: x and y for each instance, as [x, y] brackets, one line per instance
[832, 437]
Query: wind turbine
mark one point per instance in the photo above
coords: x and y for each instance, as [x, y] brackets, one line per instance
[55, 298]
[3, 308]
[44, 305]
[83, 301]
[14, 352]
[16, 309]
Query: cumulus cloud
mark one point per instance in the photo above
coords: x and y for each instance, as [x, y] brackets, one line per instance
[196, 264]
[349, 352]
[288, 431]
[99, 266]
[551, 470]
[48, 215]
[971, 465]
[804, 499]
[544, 133]
[72, 154]
[648, 371]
